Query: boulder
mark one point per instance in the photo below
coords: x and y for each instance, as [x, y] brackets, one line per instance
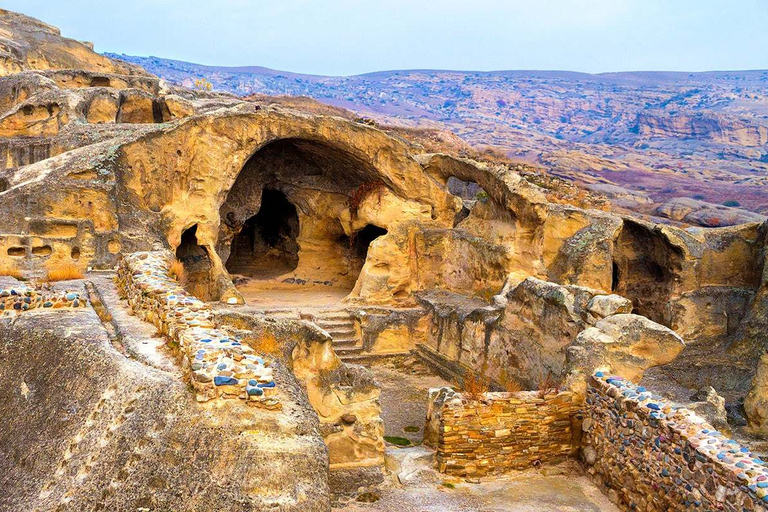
[607, 305]
[624, 344]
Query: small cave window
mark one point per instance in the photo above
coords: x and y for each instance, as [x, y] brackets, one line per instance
[100, 81]
[466, 190]
[4, 185]
[469, 192]
[266, 245]
[197, 264]
[615, 277]
[17, 252]
[362, 240]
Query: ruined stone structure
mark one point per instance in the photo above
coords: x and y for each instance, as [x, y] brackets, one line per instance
[653, 455]
[464, 263]
[502, 431]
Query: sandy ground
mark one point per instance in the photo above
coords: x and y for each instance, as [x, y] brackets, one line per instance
[522, 492]
[269, 294]
[414, 486]
[404, 387]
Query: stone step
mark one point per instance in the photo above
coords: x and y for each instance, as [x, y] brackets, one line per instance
[334, 315]
[282, 313]
[344, 343]
[370, 358]
[348, 333]
[336, 326]
[347, 351]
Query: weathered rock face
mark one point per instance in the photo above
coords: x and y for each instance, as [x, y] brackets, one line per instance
[345, 397]
[624, 344]
[523, 336]
[27, 43]
[114, 433]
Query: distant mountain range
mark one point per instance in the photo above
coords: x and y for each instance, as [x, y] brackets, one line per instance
[660, 135]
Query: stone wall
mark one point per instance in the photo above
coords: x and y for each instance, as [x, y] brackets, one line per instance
[16, 299]
[218, 365]
[501, 432]
[652, 455]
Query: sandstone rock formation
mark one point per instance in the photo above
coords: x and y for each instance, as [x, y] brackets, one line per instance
[624, 344]
[466, 264]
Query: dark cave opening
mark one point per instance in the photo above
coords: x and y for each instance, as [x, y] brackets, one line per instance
[197, 265]
[266, 245]
[362, 240]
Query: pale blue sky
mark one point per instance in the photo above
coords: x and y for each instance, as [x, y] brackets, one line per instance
[340, 37]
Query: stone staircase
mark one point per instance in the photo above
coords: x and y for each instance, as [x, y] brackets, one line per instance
[340, 324]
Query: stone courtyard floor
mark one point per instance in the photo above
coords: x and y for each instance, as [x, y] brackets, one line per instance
[414, 486]
[267, 294]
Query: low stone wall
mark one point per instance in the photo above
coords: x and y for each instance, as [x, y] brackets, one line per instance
[15, 300]
[504, 431]
[218, 365]
[652, 455]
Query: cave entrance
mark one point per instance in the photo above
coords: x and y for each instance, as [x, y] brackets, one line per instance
[266, 245]
[358, 245]
[645, 267]
[197, 265]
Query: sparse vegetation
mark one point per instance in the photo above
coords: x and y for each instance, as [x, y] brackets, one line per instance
[176, 270]
[12, 272]
[63, 272]
[511, 384]
[548, 384]
[475, 385]
[731, 203]
[411, 428]
[362, 192]
[202, 84]
[397, 441]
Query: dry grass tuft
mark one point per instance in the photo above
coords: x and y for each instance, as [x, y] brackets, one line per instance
[475, 385]
[12, 272]
[512, 385]
[548, 383]
[63, 272]
[362, 192]
[176, 270]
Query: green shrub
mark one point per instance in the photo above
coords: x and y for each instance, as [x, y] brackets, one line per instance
[398, 441]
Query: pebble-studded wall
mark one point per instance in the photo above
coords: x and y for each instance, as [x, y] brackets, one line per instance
[218, 365]
[652, 455]
[17, 299]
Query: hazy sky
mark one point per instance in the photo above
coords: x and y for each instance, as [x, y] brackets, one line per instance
[340, 37]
